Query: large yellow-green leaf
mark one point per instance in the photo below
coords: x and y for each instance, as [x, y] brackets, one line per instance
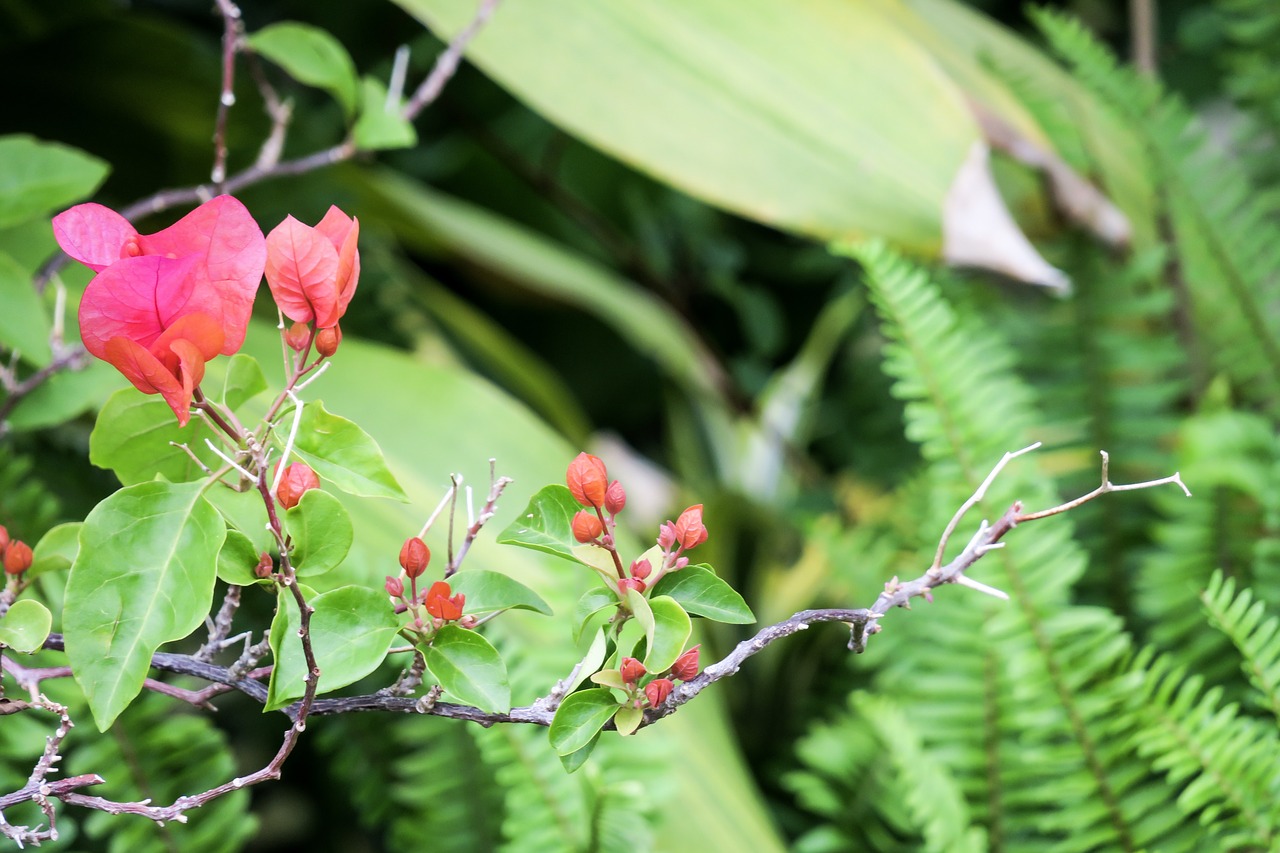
[816, 116]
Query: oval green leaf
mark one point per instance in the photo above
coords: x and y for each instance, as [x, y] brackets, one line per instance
[576, 759]
[469, 668]
[143, 577]
[311, 56]
[56, 550]
[546, 524]
[628, 719]
[341, 453]
[24, 322]
[671, 629]
[351, 629]
[592, 602]
[487, 592]
[380, 128]
[700, 591]
[135, 436]
[237, 560]
[40, 177]
[244, 380]
[26, 625]
[580, 718]
[591, 661]
[644, 614]
[245, 512]
[321, 532]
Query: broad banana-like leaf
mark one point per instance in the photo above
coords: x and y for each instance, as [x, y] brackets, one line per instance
[827, 118]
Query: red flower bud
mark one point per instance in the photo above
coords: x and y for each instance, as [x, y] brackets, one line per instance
[298, 479]
[631, 670]
[440, 605]
[641, 569]
[630, 583]
[686, 666]
[265, 566]
[394, 587]
[298, 337]
[586, 526]
[657, 691]
[327, 341]
[414, 556]
[615, 498]
[17, 557]
[4, 538]
[690, 531]
[666, 536]
[587, 479]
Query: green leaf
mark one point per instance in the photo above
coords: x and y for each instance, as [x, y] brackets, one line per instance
[56, 550]
[609, 678]
[311, 56]
[490, 591]
[24, 323]
[628, 719]
[546, 524]
[341, 453]
[639, 606]
[321, 532]
[244, 380]
[671, 629]
[580, 717]
[65, 395]
[351, 629]
[591, 661]
[469, 668]
[26, 625]
[237, 559]
[135, 434]
[380, 127]
[39, 177]
[592, 602]
[700, 591]
[577, 758]
[144, 576]
[244, 512]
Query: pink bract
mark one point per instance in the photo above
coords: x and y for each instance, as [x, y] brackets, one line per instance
[313, 272]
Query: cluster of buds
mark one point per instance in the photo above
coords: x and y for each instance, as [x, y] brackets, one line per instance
[16, 553]
[298, 479]
[439, 599]
[588, 482]
[630, 674]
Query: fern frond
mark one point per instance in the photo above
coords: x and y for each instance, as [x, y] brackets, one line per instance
[1253, 32]
[1227, 247]
[1020, 699]
[1228, 766]
[1252, 630]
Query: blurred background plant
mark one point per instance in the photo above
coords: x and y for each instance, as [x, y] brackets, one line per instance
[610, 234]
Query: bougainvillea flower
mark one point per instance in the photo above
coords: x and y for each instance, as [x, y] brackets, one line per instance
[222, 251]
[587, 479]
[313, 272]
[173, 365]
[690, 531]
[441, 605]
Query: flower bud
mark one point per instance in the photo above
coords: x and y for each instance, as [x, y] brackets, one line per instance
[4, 538]
[265, 566]
[327, 341]
[440, 605]
[414, 556]
[641, 569]
[689, 529]
[587, 479]
[586, 527]
[394, 587]
[298, 337]
[657, 691]
[298, 479]
[615, 498]
[630, 583]
[631, 670]
[686, 666]
[666, 536]
[680, 563]
[17, 557]
[469, 621]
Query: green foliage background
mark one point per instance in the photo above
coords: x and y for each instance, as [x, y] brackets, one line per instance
[529, 291]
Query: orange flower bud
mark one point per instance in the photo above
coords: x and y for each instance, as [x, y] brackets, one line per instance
[615, 498]
[394, 587]
[586, 527]
[265, 566]
[17, 557]
[587, 479]
[631, 670]
[327, 341]
[690, 531]
[298, 479]
[414, 556]
[440, 605]
[686, 666]
[4, 538]
[657, 691]
[298, 337]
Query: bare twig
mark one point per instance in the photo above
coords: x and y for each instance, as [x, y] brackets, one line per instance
[232, 30]
[447, 63]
